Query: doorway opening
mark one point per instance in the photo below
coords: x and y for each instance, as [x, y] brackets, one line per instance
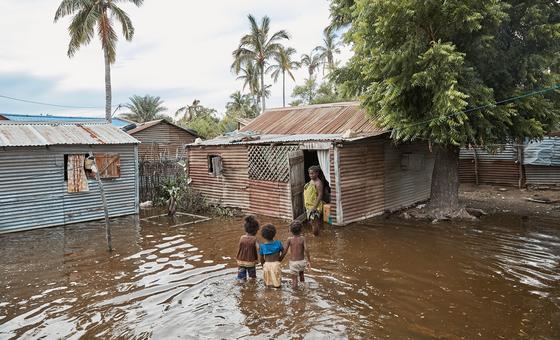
[309, 158]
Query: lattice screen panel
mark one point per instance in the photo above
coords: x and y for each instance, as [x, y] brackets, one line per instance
[270, 163]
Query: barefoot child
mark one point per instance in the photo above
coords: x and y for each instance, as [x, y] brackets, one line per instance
[248, 247]
[271, 254]
[298, 253]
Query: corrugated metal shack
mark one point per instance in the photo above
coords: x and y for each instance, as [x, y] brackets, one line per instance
[262, 169]
[44, 176]
[162, 139]
[529, 163]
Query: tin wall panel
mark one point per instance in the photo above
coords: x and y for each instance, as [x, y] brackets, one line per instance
[542, 175]
[230, 189]
[33, 192]
[333, 184]
[508, 152]
[270, 199]
[162, 141]
[504, 172]
[405, 187]
[361, 179]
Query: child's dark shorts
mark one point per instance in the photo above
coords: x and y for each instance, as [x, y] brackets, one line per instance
[243, 272]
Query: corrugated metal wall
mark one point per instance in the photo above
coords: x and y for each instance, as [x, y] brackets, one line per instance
[229, 190]
[162, 140]
[34, 193]
[498, 168]
[361, 179]
[542, 175]
[403, 187]
[270, 199]
[332, 182]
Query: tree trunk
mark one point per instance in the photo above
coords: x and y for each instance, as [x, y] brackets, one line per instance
[444, 201]
[108, 96]
[262, 88]
[283, 89]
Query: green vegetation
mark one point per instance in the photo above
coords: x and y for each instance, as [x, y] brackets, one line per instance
[96, 16]
[433, 71]
[145, 108]
[283, 64]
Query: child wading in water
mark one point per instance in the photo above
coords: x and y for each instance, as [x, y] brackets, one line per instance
[313, 198]
[298, 253]
[247, 254]
[271, 253]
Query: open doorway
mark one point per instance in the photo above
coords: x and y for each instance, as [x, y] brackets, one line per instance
[309, 158]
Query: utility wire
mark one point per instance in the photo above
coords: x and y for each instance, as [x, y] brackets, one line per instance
[55, 105]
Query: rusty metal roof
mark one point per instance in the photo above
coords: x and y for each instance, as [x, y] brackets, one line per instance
[241, 139]
[61, 133]
[143, 126]
[335, 118]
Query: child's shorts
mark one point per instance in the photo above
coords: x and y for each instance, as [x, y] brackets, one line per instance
[242, 273]
[297, 266]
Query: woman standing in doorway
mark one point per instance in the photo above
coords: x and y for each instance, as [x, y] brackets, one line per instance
[313, 198]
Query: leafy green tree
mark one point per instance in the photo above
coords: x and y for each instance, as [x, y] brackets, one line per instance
[257, 47]
[304, 94]
[145, 108]
[311, 61]
[328, 50]
[434, 70]
[199, 118]
[313, 93]
[241, 106]
[97, 15]
[283, 64]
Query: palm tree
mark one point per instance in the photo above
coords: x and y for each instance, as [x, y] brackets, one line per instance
[256, 47]
[329, 48]
[144, 108]
[189, 112]
[250, 77]
[97, 15]
[311, 61]
[284, 64]
[241, 105]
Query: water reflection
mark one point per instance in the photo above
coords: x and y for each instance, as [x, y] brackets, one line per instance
[494, 279]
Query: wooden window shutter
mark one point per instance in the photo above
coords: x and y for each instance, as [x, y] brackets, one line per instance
[217, 165]
[77, 180]
[109, 165]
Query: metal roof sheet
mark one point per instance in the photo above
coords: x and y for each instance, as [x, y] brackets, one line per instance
[118, 122]
[314, 119]
[143, 126]
[241, 139]
[62, 133]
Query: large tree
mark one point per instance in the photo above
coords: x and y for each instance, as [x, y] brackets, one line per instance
[283, 64]
[97, 15]
[327, 51]
[311, 61]
[241, 106]
[258, 47]
[438, 71]
[250, 75]
[145, 108]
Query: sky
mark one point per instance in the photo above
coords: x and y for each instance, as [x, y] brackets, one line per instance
[181, 51]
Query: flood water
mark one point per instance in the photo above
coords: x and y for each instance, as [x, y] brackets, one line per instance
[498, 278]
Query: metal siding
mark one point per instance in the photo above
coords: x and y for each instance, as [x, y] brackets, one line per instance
[542, 175]
[332, 182]
[162, 141]
[493, 168]
[230, 189]
[404, 188]
[361, 179]
[270, 199]
[34, 195]
[508, 152]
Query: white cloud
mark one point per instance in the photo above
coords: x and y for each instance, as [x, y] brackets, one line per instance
[181, 49]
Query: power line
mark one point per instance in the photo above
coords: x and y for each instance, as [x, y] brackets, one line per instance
[55, 105]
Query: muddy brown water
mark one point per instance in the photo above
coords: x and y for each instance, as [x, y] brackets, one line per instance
[499, 278]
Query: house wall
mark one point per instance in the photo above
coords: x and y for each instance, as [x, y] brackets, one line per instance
[230, 189]
[361, 179]
[270, 199]
[493, 168]
[405, 187]
[33, 193]
[162, 140]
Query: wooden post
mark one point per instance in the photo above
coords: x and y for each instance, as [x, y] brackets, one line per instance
[475, 165]
[105, 209]
[520, 161]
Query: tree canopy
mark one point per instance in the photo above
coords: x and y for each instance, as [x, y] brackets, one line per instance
[145, 108]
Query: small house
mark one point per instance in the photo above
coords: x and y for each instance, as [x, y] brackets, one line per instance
[262, 168]
[46, 178]
[161, 139]
[118, 122]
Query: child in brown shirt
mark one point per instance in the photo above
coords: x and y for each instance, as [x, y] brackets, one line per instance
[298, 252]
[247, 256]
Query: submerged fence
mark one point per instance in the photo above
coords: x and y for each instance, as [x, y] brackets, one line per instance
[153, 173]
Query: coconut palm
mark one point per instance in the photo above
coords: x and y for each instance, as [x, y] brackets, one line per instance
[144, 108]
[311, 61]
[329, 48]
[97, 15]
[250, 76]
[188, 112]
[257, 47]
[284, 64]
[241, 106]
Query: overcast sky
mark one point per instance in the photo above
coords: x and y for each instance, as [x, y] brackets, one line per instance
[181, 51]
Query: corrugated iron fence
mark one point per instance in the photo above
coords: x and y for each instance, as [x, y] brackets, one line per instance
[154, 173]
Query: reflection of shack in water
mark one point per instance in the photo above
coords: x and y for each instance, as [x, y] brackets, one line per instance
[45, 179]
[262, 168]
